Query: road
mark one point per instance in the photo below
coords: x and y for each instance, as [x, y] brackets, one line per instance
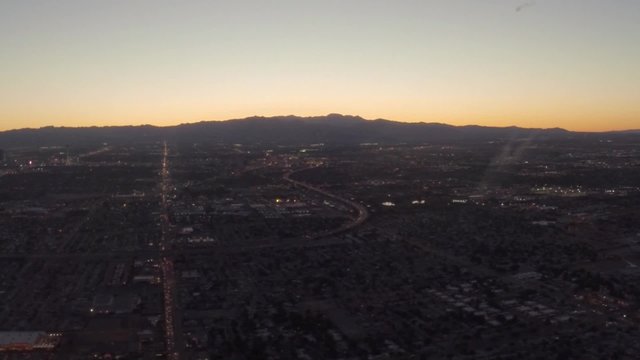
[95, 152]
[166, 262]
[362, 212]
[167, 252]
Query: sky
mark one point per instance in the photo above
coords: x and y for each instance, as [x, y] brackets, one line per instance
[547, 63]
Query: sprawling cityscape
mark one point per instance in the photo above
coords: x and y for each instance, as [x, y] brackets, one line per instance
[502, 249]
[319, 180]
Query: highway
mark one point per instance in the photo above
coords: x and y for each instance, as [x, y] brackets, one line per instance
[166, 252]
[362, 212]
[94, 152]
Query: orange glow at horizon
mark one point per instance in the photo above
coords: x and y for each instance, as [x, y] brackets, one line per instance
[581, 123]
[571, 115]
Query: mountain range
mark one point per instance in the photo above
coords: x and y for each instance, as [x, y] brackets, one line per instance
[285, 130]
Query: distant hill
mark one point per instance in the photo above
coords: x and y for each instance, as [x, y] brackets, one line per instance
[286, 130]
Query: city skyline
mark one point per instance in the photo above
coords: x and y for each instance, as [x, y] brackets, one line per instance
[538, 64]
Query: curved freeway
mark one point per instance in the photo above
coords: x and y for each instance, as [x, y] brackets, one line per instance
[363, 213]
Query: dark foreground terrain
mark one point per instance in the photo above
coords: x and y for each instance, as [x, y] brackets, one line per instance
[504, 249]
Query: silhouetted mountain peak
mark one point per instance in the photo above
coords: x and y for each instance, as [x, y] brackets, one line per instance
[288, 129]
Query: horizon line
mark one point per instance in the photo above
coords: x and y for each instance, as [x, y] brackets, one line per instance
[314, 116]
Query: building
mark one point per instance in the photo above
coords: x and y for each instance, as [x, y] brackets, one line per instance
[28, 340]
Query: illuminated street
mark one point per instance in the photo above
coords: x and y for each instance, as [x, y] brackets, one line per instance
[168, 277]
